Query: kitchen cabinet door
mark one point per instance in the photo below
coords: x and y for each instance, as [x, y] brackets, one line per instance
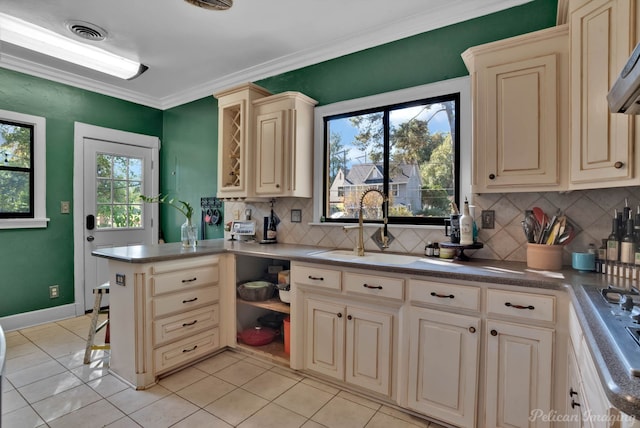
[602, 152]
[235, 140]
[284, 145]
[519, 362]
[369, 349]
[324, 347]
[443, 365]
[520, 99]
[575, 404]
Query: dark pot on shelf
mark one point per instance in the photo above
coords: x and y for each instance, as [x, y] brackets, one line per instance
[272, 320]
[257, 336]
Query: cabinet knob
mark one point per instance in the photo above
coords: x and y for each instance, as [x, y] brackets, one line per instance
[494, 332]
[492, 176]
[349, 317]
[618, 165]
[472, 329]
[339, 315]
[277, 186]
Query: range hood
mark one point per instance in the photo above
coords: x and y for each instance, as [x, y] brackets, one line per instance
[624, 96]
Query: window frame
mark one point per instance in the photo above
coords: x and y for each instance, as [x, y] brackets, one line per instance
[39, 218]
[461, 85]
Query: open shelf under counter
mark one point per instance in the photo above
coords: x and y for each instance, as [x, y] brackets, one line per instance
[273, 350]
[274, 304]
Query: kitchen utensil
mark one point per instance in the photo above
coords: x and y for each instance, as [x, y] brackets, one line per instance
[284, 292]
[545, 257]
[541, 217]
[257, 336]
[256, 291]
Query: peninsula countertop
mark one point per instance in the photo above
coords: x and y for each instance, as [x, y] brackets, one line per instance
[622, 389]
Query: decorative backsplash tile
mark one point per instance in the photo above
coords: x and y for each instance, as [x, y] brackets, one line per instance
[590, 211]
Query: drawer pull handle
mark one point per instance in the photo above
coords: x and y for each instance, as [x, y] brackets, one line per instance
[189, 280]
[572, 392]
[316, 278]
[189, 350]
[494, 332]
[373, 287]
[509, 304]
[443, 296]
[187, 324]
[190, 300]
[574, 404]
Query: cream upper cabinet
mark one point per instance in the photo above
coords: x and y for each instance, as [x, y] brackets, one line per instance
[520, 112]
[235, 140]
[284, 145]
[602, 148]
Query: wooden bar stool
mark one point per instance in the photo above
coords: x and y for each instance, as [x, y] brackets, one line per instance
[99, 291]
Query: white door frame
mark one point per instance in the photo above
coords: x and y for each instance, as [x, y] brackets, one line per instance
[82, 131]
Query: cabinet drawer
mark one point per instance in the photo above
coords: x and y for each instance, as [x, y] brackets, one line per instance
[445, 295]
[316, 277]
[184, 301]
[371, 285]
[186, 350]
[521, 305]
[184, 279]
[181, 325]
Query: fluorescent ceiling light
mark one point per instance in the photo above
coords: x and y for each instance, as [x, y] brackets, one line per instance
[35, 38]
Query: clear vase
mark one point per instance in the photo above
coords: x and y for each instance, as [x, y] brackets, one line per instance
[189, 234]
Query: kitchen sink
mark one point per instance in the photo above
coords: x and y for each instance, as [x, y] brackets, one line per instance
[373, 258]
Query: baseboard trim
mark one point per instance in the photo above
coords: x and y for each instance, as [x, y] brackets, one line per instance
[42, 316]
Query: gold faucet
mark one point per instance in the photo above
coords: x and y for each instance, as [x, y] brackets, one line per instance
[383, 231]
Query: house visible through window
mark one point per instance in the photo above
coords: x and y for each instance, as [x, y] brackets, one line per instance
[409, 151]
[16, 170]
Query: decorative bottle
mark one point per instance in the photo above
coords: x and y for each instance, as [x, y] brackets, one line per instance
[627, 246]
[613, 246]
[466, 225]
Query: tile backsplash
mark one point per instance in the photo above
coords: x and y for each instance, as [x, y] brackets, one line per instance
[590, 211]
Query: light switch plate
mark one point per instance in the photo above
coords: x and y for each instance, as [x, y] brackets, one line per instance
[296, 216]
[488, 219]
[65, 207]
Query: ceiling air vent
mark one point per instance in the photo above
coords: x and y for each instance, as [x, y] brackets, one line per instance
[87, 30]
[212, 4]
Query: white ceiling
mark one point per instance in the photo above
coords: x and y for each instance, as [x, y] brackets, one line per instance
[193, 52]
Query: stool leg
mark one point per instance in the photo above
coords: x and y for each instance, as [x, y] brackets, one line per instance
[92, 329]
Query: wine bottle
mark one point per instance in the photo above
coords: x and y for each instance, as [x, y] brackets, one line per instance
[627, 246]
[613, 247]
[466, 225]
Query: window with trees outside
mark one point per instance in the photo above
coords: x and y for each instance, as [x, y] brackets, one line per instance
[16, 170]
[410, 151]
[22, 170]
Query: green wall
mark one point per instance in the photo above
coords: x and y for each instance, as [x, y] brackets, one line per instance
[188, 163]
[33, 259]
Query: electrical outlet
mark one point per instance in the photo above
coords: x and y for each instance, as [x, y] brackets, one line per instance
[65, 207]
[54, 291]
[488, 219]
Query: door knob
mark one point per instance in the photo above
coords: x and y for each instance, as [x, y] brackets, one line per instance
[90, 238]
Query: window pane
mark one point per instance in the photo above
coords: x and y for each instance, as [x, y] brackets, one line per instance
[120, 167]
[103, 195]
[356, 154]
[135, 191]
[103, 165]
[135, 169]
[135, 215]
[15, 194]
[120, 189]
[421, 159]
[103, 219]
[15, 145]
[120, 216]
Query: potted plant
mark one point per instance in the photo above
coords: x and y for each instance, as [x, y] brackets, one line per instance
[188, 231]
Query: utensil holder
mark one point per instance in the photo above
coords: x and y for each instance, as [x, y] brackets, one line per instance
[544, 257]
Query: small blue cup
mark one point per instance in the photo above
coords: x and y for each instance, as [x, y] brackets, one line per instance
[584, 262]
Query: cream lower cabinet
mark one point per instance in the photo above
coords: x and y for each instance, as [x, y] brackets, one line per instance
[443, 365]
[519, 358]
[349, 343]
[349, 322]
[165, 315]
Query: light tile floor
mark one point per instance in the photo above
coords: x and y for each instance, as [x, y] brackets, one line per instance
[47, 385]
